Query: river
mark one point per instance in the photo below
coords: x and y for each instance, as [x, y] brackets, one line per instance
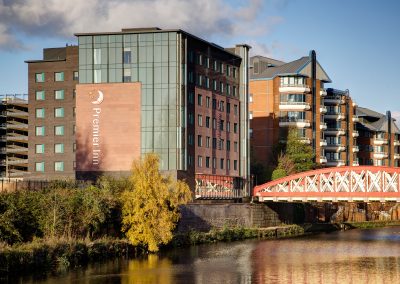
[355, 256]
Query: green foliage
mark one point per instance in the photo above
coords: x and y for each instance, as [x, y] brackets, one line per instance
[300, 153]
[150, 209]
[278, 173]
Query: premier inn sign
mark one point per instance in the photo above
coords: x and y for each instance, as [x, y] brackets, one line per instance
[107, 126]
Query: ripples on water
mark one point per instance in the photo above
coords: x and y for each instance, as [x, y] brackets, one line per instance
[356, 256]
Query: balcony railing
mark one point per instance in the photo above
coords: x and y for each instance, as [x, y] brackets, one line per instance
[323, 160]
[356, 148]
[335, 163]
[397, 156]
[338, 147]
[323, 92]
[396, 143]
[356, 162]
[335, 115]
[294, 106]
[335, 131]
[380, 155]
[323, 143]
[305, 140]
[334, 100]
[298, 122]
[323, 109]
[323, 126]
[380, 141]
[355, 133]
[356, 118]
[297, 88]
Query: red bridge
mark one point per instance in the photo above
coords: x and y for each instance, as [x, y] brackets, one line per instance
[362, 183]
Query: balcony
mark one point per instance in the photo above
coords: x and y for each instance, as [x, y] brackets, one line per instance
[305, 140]
[297, 122]
[380, 155]
[21, 138]
[356, 149]
[380, 141]
[355, 133]
[323, 92]
[334, 100]
[335, 163]
[323, 126]
[335, 115]
[356, 163]
[323, 160]
[17, 126]
[323, 109]
[323, 143]
[3, 125]
[17, 113]
[337, 147]
[356, 118]
[17, 161]
[296, 106]
[396, 156]
[17, 149]
[396, 143]
[296, 88]
[335, 131]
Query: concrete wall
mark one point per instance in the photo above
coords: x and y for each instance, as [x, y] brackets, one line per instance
[203, 217]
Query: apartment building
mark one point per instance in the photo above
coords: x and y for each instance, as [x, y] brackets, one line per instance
[168, 92]
[13, 136]
[51, 91]
[379, 138]
[340, 134]
[284, 95]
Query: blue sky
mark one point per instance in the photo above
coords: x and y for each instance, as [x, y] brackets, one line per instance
[357, 42]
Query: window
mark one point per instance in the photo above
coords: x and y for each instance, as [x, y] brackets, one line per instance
[59, 130]
[215, 65]
[228, 70]
[74, 147]
[190, 160]
[59, 94]
[235, 146]
[221, 164]
[221, 125]
[58, 166]
[214, 123]
[190, 77]
[39, 77]
[250, 98]
[228, 107]
[76, 76]
[234, 72]
[221, 87]
[97, 76]
[191, 118]
[228, 145]
[208, 141]
[250, 115]
[39, 130]
[199, 141]
[235, 165]
[200, 120]
[207, 101]
[251, 132]
[215, 86]
[214, 104]
[214, 163]
[59, 76]
[221, 105]
[199, 80]
[207, 162]
[235, 109]
[59, 112]
[40, 95]
[199, 161]
[190, 55]
[207, 121]
[214, 143]
[59, 148]
[40, 112]
[207, 81]
[199, 100]
[190, 139]
[221, 144]
[234, 91]
[235, 128]
[127, 55]
[97, 56]
[74, 111]
[39, 148]
[228, 127]
[127, 75]
[228, 89]
[39, 166]
[228, 164]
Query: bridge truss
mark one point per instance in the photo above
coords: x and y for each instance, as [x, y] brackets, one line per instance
[360, 183]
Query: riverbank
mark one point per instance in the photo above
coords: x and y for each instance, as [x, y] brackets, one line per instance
[369, 224]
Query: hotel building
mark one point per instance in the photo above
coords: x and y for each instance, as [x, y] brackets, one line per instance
[293, 94]
[51, 90]
[168, 92]
[379, 139]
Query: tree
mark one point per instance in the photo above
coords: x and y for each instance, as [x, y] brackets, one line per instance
[150, 207]
[285, 167]
[300, 153]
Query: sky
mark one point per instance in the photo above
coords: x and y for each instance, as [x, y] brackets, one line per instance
[357, 42]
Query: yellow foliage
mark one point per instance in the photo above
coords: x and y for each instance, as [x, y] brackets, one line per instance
[150, 209]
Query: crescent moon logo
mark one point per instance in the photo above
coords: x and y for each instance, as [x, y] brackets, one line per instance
[99, 99]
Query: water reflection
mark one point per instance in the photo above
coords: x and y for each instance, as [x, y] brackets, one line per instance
[357, 256]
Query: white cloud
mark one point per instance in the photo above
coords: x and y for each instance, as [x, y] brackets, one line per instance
[63, 18]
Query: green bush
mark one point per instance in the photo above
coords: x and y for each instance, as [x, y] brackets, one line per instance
[278, 173]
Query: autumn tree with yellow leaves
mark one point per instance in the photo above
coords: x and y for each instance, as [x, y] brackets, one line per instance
[150, 209]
